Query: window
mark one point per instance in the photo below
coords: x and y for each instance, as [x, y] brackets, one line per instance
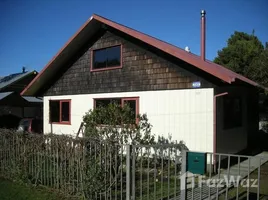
[54, 110]
[106, 102]
[60, 111]
[133, 103]
[232, 112]
[65, 111]
[106, 58]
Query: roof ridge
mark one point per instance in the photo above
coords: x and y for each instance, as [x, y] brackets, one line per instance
[228, 73]
[146, 34]
[168, 48]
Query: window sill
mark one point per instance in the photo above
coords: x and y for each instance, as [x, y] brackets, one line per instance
[105, 69]
[61, 123]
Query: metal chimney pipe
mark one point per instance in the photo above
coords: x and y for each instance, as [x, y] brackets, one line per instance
[203, 34]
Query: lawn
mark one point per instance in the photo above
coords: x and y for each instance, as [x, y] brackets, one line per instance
[14, 191]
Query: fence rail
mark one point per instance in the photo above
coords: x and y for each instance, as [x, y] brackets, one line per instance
[51, 161]
[94, 169]
[91, 168]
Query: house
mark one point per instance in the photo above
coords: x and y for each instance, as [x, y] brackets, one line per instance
[13, 106]
[204, 104]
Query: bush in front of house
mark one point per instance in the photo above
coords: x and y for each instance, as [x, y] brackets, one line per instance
[112, 128]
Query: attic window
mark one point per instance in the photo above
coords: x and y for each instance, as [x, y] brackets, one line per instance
[106, 58]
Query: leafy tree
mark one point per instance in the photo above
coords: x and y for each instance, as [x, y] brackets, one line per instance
[258, 70]
[246, 55]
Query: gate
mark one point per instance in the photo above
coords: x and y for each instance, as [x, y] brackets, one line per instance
[226, 176]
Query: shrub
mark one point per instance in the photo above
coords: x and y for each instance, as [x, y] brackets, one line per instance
[112, 127]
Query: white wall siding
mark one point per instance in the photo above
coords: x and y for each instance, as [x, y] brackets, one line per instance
[185, 114]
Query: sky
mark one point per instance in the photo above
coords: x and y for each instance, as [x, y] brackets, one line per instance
[33, 31]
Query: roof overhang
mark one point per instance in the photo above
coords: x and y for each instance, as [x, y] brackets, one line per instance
[91, 27]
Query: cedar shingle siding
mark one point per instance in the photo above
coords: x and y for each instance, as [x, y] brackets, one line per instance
[142, 71]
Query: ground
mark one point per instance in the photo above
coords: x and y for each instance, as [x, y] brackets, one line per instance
[15, 191]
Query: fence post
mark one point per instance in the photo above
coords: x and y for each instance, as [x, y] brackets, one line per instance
[128, 172]
[133, 178]
[183, 176]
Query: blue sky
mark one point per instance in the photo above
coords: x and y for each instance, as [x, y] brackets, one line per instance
[32, 31]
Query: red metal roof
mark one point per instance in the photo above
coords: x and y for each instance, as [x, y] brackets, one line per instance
[216, 70]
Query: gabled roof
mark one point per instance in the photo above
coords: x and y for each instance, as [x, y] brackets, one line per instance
[95, 23]
[12, 78]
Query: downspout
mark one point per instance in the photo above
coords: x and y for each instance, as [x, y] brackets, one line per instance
[215, 127]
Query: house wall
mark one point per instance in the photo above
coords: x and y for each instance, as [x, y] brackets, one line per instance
[185, 114]
[144, 72]
[141, 70]
[237, 139]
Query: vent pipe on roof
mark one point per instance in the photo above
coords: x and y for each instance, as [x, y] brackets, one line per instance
[203, 34]
[23, 69]
[187, 49]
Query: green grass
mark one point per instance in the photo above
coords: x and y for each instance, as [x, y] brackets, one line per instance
[15, 191]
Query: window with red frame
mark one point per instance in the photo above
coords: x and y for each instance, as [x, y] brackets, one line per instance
[60, 111]
[133, 103]
[109, 57]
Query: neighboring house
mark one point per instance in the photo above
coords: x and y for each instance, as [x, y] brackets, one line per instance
[204, 104]
[13, 106]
